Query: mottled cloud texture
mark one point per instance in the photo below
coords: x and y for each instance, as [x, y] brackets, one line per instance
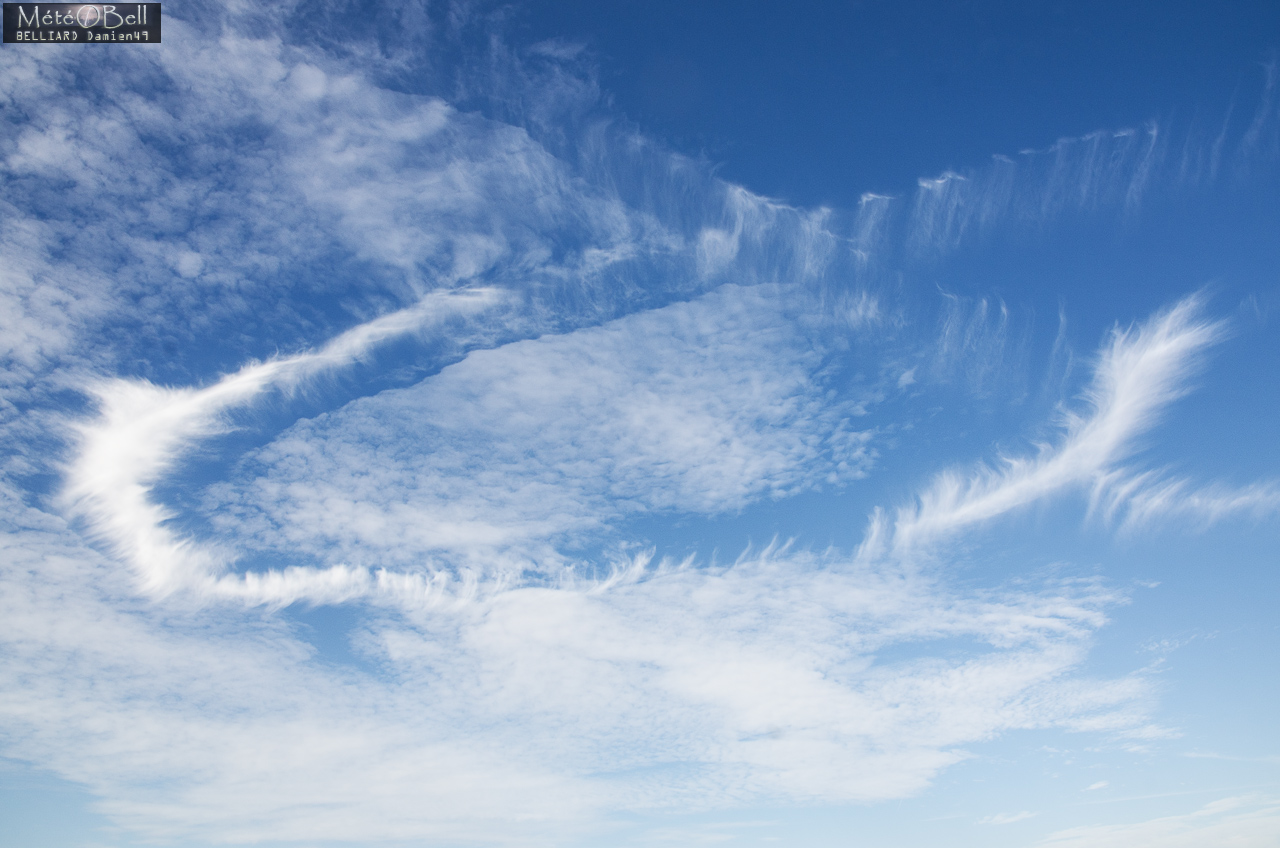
[280, 338]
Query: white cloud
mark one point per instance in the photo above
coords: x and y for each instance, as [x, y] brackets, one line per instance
[975, 343]
[669, 687]
[1138, 373]
[217, 727]
[1008, 818]
[695, 408]
[143, 429]
[664, 686]
[603, 383]
[1237, 822]
[1102, 168]
[402, 193]
[40, 306]
[233, 215]
[702, 407]
[1145, 498]
[546, 439]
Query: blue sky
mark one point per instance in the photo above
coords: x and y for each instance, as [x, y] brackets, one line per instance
[619, 424]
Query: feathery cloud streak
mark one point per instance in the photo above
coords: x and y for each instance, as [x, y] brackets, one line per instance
[1137, 375]
[144, 429]
[1241, 822]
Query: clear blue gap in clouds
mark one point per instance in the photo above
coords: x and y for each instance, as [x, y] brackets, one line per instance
[817, 102]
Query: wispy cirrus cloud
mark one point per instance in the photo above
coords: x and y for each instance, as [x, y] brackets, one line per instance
[1007, 818]
[1247, 821]
[587, 328]
[1138, 373]
[1145, 498]
[521, 454]
[696, 408]
[145, 428]
[1103, 168]
[637, 445]
[670, 686]
[755, 679]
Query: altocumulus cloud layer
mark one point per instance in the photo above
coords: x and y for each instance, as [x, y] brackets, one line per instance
[276, 334]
